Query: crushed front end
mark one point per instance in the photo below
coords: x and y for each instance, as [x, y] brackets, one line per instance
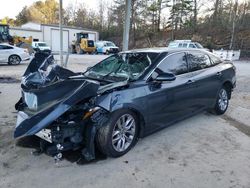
[59, 107]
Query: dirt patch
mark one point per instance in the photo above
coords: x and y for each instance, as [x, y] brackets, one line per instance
[6, 79]
[240, 126]
[6, 138]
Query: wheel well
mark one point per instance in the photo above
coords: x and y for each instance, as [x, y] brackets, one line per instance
[141, 121]
[15, 55]
[229, 86]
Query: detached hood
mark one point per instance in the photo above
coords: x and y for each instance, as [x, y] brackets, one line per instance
[47, 93]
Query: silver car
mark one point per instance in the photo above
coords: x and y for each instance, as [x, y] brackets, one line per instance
[185, 44]
[12, 55]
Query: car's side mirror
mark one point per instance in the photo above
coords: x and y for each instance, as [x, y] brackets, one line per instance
[165, 77]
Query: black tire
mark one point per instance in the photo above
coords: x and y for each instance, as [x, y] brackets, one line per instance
[107, 52]
[73, 49]
[14, 60]
[222, 101]
[105, 136]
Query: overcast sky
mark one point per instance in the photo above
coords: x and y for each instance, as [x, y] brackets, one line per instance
[11, 8]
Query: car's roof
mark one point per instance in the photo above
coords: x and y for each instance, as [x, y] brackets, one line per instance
[162, 49]
[6, 44]
[103, 41]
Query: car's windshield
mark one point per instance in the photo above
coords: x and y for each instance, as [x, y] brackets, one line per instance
[110, 44]
[42, 44]
[198, 45]
[121, 67]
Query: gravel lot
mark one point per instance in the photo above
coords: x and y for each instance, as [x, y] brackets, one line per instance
[202, 151]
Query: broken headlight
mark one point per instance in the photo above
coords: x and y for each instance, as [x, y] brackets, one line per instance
[31, 100]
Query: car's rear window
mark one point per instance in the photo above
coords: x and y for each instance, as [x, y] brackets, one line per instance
[215, 60]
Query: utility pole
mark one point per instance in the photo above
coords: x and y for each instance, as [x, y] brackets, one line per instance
[233, 26]
[61, 32]
[125, 42]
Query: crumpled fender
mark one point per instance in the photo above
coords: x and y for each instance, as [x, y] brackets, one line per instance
[31, 125]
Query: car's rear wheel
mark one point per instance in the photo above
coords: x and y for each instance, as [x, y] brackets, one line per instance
[14, 60]
[119, 135]
[222, 101]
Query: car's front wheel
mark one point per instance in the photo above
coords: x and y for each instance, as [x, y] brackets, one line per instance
[119, 135]
[222, 101]
[14, 60]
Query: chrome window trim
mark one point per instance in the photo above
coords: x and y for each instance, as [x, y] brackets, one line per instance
[151, 72]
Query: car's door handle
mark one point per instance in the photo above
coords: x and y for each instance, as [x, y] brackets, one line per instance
[189, 82]
[218, 74]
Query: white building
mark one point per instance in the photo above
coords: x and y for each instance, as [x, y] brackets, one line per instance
[50, 34]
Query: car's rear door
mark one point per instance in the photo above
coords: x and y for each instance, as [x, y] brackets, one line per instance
[170, 101]
[206, 76]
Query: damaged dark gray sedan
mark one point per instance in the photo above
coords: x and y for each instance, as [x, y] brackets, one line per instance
[124, 97]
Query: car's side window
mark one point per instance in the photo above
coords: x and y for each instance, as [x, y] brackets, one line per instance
[6, 47]
[191, 46]
[184, 45]
[175, 64]
[198, 61]
[1, 47]
[180, 45]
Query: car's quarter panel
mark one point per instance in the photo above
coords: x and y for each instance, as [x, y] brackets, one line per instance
[24, 56]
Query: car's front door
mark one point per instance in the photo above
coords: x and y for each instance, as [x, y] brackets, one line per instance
[170, 101]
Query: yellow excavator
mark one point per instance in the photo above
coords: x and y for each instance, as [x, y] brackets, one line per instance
[82, 44]
[18, 41]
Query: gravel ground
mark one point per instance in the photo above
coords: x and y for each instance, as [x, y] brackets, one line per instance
[202, 151]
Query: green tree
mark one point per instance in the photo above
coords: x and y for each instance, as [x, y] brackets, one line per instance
[41, 11]
[23, 16]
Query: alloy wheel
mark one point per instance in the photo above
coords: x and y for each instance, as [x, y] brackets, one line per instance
[123, 132]
[14, 60]
[223, 100]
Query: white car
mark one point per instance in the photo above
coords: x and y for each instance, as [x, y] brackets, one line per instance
[13, 55]
[106, 47]
[184, 44]
[42, 46]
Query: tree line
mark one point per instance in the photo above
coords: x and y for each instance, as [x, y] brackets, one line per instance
[216, 24]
